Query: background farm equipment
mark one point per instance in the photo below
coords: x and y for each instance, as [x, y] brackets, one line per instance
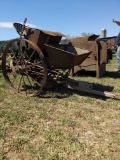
[102, 50]
[39, 59]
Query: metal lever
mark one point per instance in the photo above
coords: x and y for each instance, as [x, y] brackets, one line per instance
[23, 27]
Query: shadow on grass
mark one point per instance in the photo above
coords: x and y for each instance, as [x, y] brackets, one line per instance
[57, 91]
[60, 91]
[110, 74]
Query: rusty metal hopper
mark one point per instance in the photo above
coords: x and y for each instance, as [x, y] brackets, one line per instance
[65, 57]
[99, 56]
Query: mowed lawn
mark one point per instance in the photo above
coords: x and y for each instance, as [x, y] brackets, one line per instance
[62, 124]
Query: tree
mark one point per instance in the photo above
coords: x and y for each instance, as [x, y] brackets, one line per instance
[86, 34]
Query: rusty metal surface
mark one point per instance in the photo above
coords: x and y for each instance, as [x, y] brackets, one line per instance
[53, 33]
[84, 39]
[65, 57]
[99, 57]
[111, 42]
[40, 37]
[18, 27]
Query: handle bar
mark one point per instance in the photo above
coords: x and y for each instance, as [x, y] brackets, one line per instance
[23, 27]
[24, 23]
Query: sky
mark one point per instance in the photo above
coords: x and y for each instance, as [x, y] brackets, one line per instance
[70, 17]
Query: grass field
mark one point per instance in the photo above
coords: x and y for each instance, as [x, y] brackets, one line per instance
[62, 124]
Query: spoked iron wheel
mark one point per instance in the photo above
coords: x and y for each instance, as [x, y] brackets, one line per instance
[24, 67]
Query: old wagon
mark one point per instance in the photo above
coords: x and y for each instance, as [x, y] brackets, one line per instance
[37, 57]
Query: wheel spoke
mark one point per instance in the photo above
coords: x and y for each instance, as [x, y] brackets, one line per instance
[24, 85]
[29, 82]
[33, 78]
[36, 73]
[20, 83]
[14, 78]
[15, 60]
[39, 65]
[31, 56]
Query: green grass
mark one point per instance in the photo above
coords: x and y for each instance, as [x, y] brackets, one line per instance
[62, 124]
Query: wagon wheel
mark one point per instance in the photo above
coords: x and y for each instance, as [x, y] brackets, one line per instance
[24, 67]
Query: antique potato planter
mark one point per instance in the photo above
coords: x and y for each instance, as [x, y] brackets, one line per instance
[38, 57]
